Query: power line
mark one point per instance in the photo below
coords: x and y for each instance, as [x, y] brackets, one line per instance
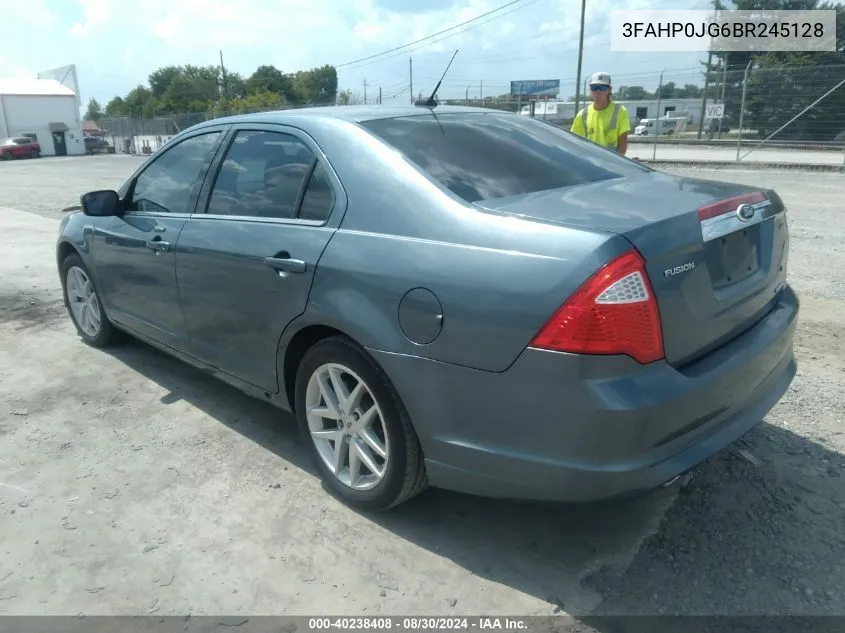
[428, 37]
[400, 50]
[496, 56]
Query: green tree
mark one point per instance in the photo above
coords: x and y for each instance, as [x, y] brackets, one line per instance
[632, 93]
[782, 84]
[139, 102]
[94, 111]
[179, 90]
[116, 107]
[316, 86]
[689, 91]
[268, 78]
[234, 85]
[161, 79]
[666, 91]
[344, 97]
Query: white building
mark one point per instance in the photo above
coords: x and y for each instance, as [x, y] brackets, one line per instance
[564, 111]
[45, 109]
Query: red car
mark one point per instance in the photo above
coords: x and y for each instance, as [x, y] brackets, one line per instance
[19, 147]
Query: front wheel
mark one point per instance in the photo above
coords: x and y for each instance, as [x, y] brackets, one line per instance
[83, 304]
[356, 427]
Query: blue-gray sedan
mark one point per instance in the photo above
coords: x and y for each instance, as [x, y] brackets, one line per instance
[445, 296]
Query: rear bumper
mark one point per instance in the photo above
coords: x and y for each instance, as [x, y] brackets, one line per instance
[570, 428]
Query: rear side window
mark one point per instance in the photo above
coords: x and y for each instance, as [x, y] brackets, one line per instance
[484, 156]
[261, 176]
[318, 201]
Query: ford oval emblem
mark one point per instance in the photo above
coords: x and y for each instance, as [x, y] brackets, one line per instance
[745, 212]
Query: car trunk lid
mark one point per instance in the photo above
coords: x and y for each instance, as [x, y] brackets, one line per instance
[715, 271]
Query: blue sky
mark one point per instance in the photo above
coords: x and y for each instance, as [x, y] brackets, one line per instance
[115, 44]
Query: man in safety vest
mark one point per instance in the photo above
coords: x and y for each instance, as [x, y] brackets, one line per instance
[604, 121]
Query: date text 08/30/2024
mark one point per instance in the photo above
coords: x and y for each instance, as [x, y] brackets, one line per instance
[415, 624]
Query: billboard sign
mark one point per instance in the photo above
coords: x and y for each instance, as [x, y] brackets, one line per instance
[536, 88]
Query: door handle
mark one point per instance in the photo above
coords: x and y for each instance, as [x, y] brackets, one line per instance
[287, 264]
[158, 246]
[159, 229]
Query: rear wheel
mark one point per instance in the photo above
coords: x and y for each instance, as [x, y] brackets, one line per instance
[356, 428]
[35, 153]
[83, 304]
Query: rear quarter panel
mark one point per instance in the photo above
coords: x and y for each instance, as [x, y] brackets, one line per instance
[497, 278]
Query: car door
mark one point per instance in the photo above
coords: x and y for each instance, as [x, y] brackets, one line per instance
[246, 264]
[134, 252]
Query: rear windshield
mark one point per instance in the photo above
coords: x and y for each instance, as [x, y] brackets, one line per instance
[481, 156]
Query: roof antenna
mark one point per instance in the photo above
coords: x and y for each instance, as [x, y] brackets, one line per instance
[431, 102]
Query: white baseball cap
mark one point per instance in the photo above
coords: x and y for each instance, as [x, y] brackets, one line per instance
[600, 78]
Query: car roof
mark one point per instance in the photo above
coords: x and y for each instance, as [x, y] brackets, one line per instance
[356, 113]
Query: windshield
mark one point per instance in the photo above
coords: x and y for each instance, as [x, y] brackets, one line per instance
[480, 156]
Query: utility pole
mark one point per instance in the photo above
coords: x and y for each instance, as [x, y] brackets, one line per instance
[724, 80]
[365, 92]
[466, 97]
[379, 95]
[224, 81]
[657, 123]
[481, 90]
[707, 76]
[742, 111]
[411, 77]
[580, 58]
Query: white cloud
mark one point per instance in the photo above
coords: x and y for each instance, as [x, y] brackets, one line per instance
[125, 41]
[11, 69]
[550, 27]
[96, 14]
[32, 14]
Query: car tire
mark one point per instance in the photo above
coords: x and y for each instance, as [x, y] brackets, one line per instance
[90, 321]
[35, 154]
[399, 473]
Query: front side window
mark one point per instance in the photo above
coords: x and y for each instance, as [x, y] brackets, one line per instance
[261, 176]
[483, 156]
[165, 186]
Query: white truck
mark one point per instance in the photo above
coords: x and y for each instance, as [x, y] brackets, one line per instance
[648, 126]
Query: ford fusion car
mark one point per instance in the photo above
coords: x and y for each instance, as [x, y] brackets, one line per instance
[450, 297]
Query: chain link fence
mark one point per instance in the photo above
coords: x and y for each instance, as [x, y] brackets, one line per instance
[785, 114]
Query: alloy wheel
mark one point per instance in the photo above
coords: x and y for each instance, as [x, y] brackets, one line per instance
[347, 426]
[83, 301]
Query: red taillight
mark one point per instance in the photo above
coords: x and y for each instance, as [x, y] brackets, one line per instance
[613, 312]
[728, 205]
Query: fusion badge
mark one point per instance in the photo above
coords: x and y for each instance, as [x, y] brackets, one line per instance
[677, 270]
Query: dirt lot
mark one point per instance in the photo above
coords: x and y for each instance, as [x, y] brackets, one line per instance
[131, 484]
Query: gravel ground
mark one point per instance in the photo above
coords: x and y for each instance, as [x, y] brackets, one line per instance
[130, 483]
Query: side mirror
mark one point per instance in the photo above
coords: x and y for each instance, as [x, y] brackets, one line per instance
[100, 203]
